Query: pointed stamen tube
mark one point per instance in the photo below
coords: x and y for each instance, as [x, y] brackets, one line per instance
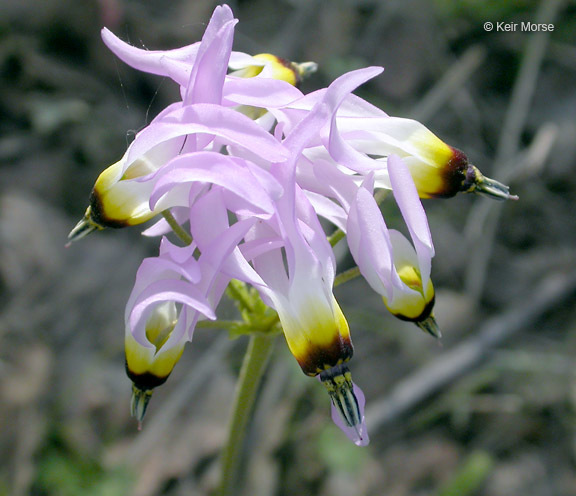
[479, 183]
[305, 69]
[84, 227]
[139, 403]
[430, 326]
[338, 383]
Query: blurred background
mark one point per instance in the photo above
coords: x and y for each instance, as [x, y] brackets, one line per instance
[490, 410]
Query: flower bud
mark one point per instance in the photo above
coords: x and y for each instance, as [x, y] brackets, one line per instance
[410, 298]
[149, 366]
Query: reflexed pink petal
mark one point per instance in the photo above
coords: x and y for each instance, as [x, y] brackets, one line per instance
[158, 292]
[259, 92]
[229, 172]
[328, 209]
[213, 120]
[347, 83]
[411, 207]
[169, 290]
[175, 64]
[337, 184]
[369, 241]
[211, 65]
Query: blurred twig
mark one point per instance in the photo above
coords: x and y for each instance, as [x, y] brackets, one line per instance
[384, 12]
[30, 426]
[292, 33]
[452, 81]
[525, 84]
[481, 232]
[464, 357]
[483, 219]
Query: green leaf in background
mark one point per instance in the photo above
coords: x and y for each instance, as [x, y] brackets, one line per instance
[65, 473]
[339, 454]
[495, 10]
[470, 476]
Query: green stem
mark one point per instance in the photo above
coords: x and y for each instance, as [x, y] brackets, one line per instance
[177, 228]
[237, 291]
[335, 237]
[346, 276]
[253, 367]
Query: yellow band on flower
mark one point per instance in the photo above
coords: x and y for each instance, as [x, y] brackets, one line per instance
[149, 368]
[320, 339]
[416, 305]
[282, 69]
[446, 178]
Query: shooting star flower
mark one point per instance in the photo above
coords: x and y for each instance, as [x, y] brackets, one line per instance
[393, 267]
[249, 163]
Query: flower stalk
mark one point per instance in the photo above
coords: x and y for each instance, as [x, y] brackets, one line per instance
[177, 228]
[337, 236]
[346, 276]
[253, 367]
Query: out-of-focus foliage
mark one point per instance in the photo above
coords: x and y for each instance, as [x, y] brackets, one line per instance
[502, 10]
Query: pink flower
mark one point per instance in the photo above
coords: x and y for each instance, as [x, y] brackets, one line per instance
[248, 165]
[394, 268]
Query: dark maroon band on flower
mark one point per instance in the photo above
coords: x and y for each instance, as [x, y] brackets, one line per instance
[292, 66]
[98, 216]
[145, 381]
[320, 358]
[454, 176]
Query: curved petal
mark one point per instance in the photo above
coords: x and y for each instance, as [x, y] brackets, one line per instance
[228, 172]
[211, 65]
[259, 92]
[414, 215]
[162, 291]
[369, 241]
[213, 120]
[175, 64]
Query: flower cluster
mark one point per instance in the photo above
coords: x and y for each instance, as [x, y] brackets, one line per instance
[243, 167]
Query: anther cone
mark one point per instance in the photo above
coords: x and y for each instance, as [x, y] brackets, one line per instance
[430, 326]
[139, 403]
[347, 403]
